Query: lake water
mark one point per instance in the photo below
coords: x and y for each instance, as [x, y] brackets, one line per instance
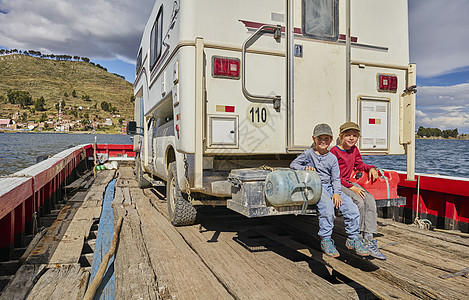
[19, 150]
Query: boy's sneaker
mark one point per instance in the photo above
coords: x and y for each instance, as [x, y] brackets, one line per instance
[372, 247]
[327, 245]
[357, 245]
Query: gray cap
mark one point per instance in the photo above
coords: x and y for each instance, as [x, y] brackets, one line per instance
[321, 129]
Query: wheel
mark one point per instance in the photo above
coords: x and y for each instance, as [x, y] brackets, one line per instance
[142, 182]
[180, 211]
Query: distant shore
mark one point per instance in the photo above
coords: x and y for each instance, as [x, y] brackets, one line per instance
[459, 137]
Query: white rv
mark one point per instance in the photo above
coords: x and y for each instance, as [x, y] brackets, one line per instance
[226, 85]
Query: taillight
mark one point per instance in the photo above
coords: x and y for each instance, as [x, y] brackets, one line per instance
[224, 67]
[387, 83]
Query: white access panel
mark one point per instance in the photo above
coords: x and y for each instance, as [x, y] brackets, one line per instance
[374, 123]
[223, 132]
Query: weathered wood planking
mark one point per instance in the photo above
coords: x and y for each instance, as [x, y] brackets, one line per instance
[178, 268]
[135, 277]
[63, 242]
[263, 275]
[23, 281]
[412, 264]
[66, 282]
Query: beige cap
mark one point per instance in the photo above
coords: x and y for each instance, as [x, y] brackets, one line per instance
[349, 125]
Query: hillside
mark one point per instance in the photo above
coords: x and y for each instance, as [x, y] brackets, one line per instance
[54, 80]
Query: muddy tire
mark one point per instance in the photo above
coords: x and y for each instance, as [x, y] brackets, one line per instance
[180, 211]
[142, 182]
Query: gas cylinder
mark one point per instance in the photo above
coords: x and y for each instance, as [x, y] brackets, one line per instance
[292, 187]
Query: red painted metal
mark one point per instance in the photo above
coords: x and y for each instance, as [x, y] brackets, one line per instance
[440, 196]
[7, 230]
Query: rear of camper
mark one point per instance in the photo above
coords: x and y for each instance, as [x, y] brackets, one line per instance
[225, 87]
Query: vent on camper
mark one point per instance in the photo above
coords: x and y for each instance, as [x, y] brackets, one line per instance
[387, 83]
[225, 67]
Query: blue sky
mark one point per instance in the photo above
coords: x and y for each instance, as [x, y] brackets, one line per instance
[109, 31]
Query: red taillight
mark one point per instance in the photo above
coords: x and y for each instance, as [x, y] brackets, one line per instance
[225, 67]
[387, 83]
[177, 130]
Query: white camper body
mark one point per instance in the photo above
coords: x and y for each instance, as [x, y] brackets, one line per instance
[223, 85]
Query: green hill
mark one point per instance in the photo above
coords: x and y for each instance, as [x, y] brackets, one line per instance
[76, 83]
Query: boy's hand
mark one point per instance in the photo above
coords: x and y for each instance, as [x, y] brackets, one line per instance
[310, 169]
[359, 191]
[373, 174]
[337, 200]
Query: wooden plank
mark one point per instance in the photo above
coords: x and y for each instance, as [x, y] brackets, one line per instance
[22, 282]
[135, 277]
[178, 268]
[66, 282]
[379, 288]
[70, 246]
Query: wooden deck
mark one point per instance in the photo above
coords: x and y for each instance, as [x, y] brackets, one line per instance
[228, 256]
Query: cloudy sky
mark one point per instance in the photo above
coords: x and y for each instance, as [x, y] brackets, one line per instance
[109, 31]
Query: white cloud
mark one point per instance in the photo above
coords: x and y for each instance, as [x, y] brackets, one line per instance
[443, 96]
[420, 114]
[101, 29]
[444, 107]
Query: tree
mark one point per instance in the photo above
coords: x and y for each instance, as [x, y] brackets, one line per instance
[74, 94]
[105, 106]
[23, 98]
[66, 94]
[85, 59]
[24, 117]
[86, 97]
[39, 104]
[132, 98]
[43, 118]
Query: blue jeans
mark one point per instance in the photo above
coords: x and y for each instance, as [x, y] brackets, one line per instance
[326, 214]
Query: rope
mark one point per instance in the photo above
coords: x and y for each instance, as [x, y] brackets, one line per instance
[421, 223]
[267, 168]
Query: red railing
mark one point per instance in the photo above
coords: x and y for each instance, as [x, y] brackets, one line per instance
[443, 199]
[35, 190]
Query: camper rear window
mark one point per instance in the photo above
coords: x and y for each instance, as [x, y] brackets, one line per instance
[321, 19]
[156, 38]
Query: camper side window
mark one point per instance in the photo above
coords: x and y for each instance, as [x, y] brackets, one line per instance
[156, 38]
[321, 19]
[139, 61]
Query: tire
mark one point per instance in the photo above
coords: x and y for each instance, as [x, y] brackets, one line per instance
[142, 182]
[180, 211]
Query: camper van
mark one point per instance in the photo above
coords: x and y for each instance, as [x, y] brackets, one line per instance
[227, 91]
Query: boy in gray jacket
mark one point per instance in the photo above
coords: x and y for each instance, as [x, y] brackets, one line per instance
[319, 159]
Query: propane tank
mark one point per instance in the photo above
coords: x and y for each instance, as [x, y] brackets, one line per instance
[292, 187]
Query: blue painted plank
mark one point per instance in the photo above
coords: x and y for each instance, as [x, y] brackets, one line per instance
[103, 243]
